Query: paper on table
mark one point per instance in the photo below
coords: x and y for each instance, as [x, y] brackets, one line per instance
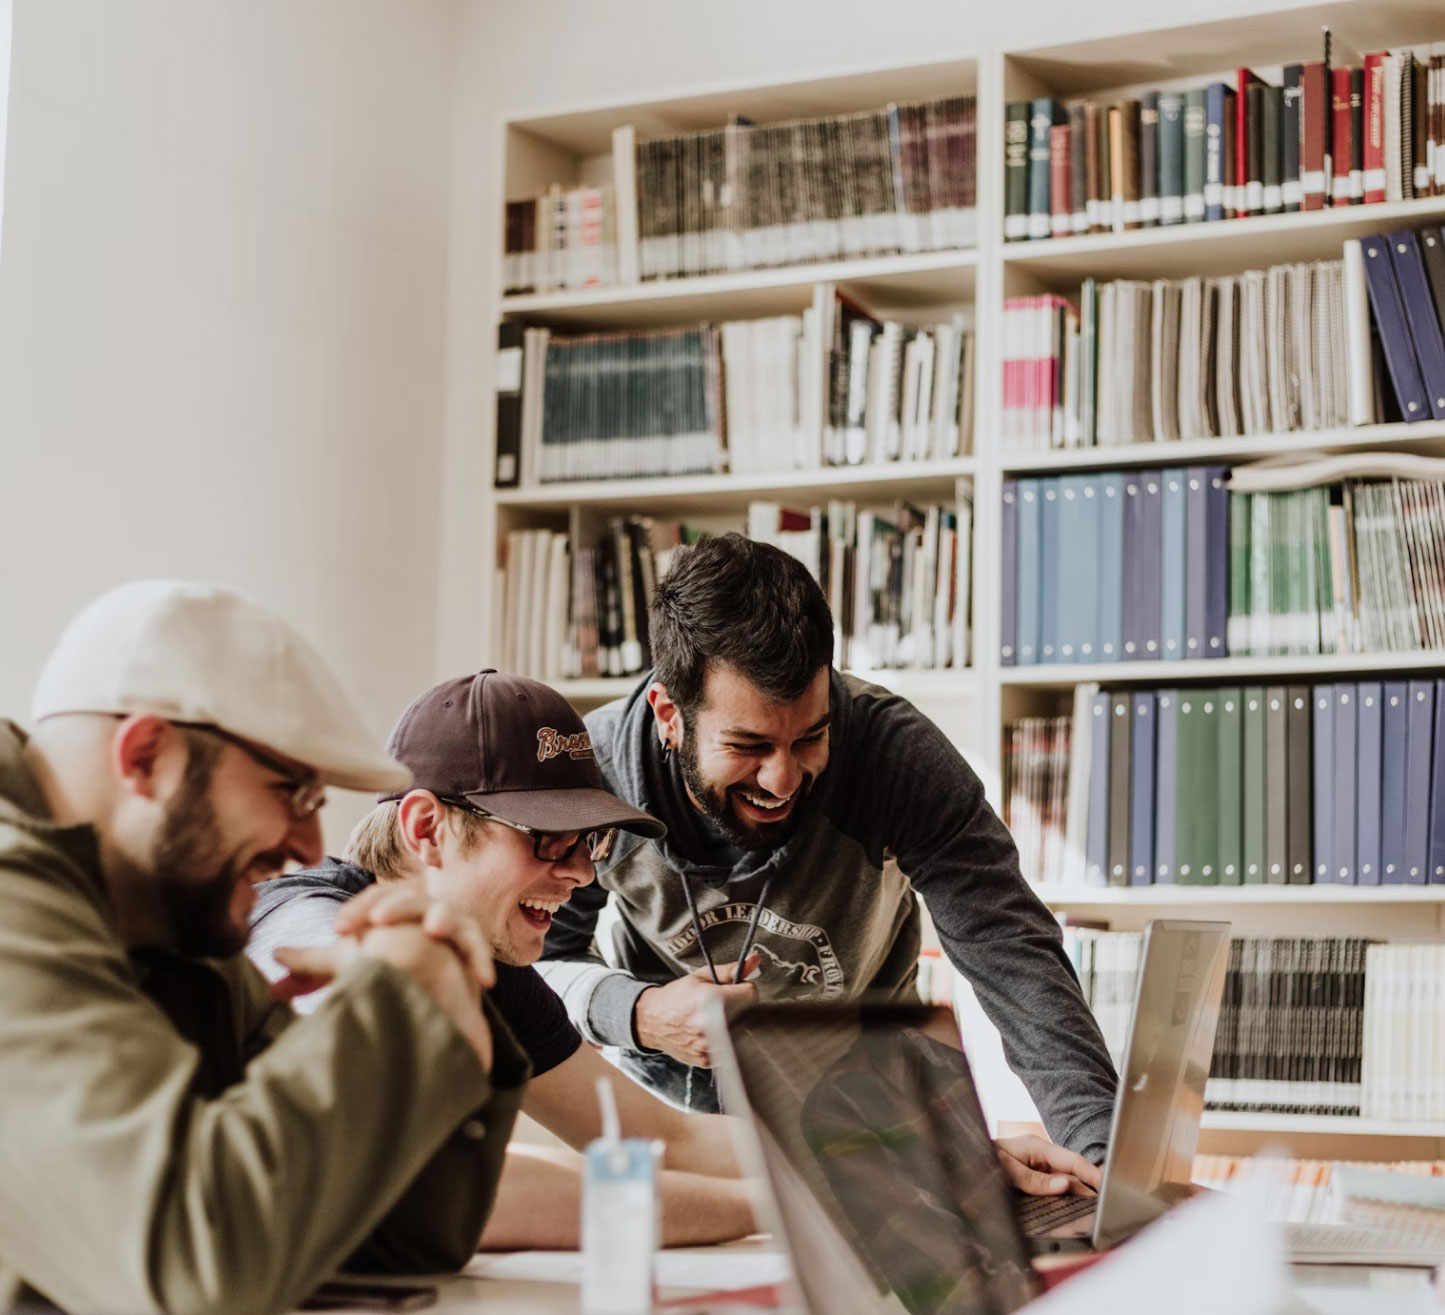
[705, 1269]
[1217, 1253]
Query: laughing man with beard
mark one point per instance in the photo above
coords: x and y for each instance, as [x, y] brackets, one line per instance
[805, 809]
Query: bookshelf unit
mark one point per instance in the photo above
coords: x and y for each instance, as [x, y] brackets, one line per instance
[975, 705]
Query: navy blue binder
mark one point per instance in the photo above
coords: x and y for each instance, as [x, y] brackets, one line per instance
[1026, 623]
[1342, 843]
[1141, 790]
[1392, 783]
[1111, 568]
[1166, 784]
[1172, 564]
[1217, 99]
[1196, 562]
[1216, 568]
[1420, 316]
[1132, 570]
[1049, 537]
[1096, 844]
[1324, 780]
[1394, 333]
[1151, 530]
[1437, 792]
[1370, 700]
[1420, 746]
[1008, 643]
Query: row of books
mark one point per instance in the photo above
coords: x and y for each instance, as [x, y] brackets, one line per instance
[1264, 352]
[1326, 135]
[1306, 1191]
[1404, 1058]
[1339, 784]
[560, 239]
[833, 386]
[1297, 347]
[1355, 567]
[898, 583]
[1107, 966]
[1177, 564]
[750, 196]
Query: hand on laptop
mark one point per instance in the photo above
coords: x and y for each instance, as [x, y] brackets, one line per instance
[1040, 1168]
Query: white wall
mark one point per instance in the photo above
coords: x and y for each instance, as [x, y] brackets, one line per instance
[519, 58]
[222, 319]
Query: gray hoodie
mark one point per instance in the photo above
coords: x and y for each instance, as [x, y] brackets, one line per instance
[897, 810]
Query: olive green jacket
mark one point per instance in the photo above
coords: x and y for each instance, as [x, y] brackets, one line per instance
[232, 1171]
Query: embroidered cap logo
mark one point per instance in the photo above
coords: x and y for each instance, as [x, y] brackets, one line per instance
[550, 743]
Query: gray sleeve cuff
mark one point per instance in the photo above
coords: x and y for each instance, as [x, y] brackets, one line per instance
[610, 1011]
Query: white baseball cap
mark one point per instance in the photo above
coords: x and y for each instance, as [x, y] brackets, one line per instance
[198, 653]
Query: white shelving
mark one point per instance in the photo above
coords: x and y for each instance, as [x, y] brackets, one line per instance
[709, 492]
[572, 144]
[1223, 671]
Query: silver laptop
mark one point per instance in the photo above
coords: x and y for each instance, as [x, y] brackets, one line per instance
[1155, 1129]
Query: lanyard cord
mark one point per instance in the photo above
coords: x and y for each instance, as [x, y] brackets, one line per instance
[747, 940]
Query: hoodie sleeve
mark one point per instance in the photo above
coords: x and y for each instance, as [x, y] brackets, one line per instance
[961, 859]
[600, 1000]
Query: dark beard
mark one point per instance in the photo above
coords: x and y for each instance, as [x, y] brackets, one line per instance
[196, 905]
[759, 839]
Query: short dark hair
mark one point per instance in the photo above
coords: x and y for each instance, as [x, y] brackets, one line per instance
[748, 605]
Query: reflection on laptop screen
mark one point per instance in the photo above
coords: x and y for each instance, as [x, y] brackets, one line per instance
[874, 1111]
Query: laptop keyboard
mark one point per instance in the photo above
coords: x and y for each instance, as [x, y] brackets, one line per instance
[1039, 1214]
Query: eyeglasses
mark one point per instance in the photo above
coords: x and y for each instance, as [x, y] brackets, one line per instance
[549, 846]
[304, 794]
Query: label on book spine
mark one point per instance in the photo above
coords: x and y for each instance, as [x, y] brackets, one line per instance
[1374, 180]
[1213, 194]
[1016, 227]
[1273, 197]
[1171, 209]
[1293, 192]
[1131, 212]
[1148, 209]
[1254, 196]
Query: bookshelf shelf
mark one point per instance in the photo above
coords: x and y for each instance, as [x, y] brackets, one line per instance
[1062, 896]
[1221, 671]
[1225, 247]
[1338, 1125]
[573, 145]
[890, 283]
[911, 684]
[711, 492]
[1427, 437]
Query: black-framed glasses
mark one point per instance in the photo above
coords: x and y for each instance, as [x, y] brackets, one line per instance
[549, 846]
[304, 794]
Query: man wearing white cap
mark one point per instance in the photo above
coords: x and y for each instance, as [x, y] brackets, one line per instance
[173, 1138]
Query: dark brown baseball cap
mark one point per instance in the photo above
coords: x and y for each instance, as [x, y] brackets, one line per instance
[514, 747]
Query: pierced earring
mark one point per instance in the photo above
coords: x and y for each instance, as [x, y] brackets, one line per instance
[667, 751]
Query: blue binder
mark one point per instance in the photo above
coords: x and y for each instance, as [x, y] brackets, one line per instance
[1420, 747]
[1392, 783]
[1420, 316]
[1217, 98]
[1133, 539]
[1166, 783]
[1216, 569]
[1084, 583]
[1008, 641]
[1151, 530]
[1324, 781]
[1172, 564]
[1342, 844]
[1394, 333]
[1049, 538]
[1141, 790]
[1196, 562]
[1437, 792]
[1111, 568]
[1076, 556]
[1029, 548]
[1096, 844]
[1370, 701]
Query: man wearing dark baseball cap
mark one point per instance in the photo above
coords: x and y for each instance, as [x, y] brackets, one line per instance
[505, 817]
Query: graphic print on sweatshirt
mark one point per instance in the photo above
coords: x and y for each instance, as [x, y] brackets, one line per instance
[796, 958]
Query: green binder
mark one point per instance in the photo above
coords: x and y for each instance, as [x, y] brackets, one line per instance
[1252, 782]
[1231, 788]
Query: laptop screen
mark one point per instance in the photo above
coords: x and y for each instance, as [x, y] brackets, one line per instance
[867, 1116]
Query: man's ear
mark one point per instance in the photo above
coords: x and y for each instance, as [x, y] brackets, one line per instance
[146, 753]
[668, 714]
[422, 818]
